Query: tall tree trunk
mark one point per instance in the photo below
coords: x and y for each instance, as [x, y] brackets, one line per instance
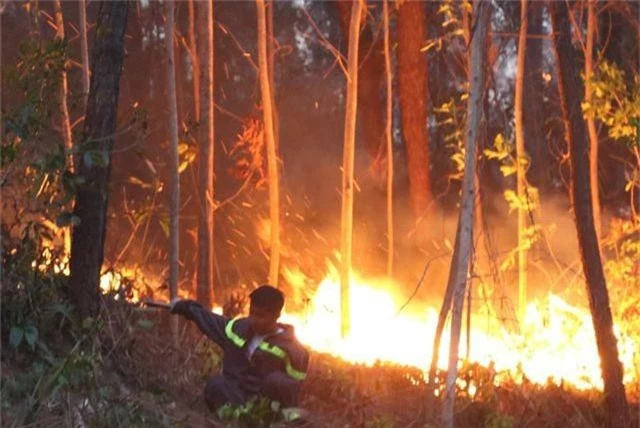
[194, 58]
[84, 50]
[522, 163]
[413, 91]
[388, 135]
[272, 155]
[591, 123]
[271, 52]
[92, 197]
[174, 203]
[464, 236]
[370, 77]
[206, 190]
[65, 120]
[533, 118]
[64, 90]
[348, 159]
[571, 92]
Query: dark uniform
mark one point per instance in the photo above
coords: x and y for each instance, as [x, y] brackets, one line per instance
[275, 369]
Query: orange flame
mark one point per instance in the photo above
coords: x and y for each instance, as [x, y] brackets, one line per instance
[556, 342]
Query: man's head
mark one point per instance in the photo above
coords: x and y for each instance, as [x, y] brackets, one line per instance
[266, 303]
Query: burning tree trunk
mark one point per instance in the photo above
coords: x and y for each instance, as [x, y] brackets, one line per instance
[97, 137]
[272, 159]
[174, 231]
[348, 164]
[389, 124]
[194, 57]
[459, 273]
[84, 50]
[522, 164]
[64, 109]
[591, 123]
[571, 91]
[413, 90]
[206, 158]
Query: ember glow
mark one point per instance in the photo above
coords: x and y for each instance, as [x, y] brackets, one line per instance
[556, 342]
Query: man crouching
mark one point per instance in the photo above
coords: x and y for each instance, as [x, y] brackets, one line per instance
[261, 356]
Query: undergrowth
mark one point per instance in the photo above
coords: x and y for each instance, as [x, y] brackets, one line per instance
[123, 369]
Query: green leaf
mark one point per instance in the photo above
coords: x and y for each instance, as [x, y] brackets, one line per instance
[87, 323]
[15, 336]
[99, 158]
[145, 324]
[164, 224]
[31, 336]
[508, 170]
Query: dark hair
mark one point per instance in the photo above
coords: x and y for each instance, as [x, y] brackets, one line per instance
[267, 297]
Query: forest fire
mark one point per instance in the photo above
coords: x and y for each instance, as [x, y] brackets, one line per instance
[556, 343]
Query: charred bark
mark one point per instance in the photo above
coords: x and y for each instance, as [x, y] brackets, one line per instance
[571, 93]
[87, 248]
[533, 118]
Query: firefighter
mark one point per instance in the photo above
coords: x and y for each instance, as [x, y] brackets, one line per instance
[261, 356]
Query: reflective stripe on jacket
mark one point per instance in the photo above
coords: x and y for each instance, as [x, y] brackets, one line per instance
[280, 352]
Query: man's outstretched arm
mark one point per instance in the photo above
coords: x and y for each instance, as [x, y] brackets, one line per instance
[209, 323]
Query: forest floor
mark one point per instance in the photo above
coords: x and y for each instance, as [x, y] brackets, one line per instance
[126, 370]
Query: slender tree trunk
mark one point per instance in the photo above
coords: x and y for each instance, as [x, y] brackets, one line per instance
[194, 60]
[388, 134]
[2, 6]
[522, 162]
[64, 90]
[413, 91]
[442, 318]
[206, 188]
[272, 155]
[174, 204]
[65, 120]
[448, 296]
[84, 50]
[92, 197]
[591, 123]
[464, 236]
[370, 78]
[571, 92]
[348, 159]
[271, 52]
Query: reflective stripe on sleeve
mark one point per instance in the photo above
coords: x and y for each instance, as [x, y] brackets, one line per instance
[280, 353]
[232, 336]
